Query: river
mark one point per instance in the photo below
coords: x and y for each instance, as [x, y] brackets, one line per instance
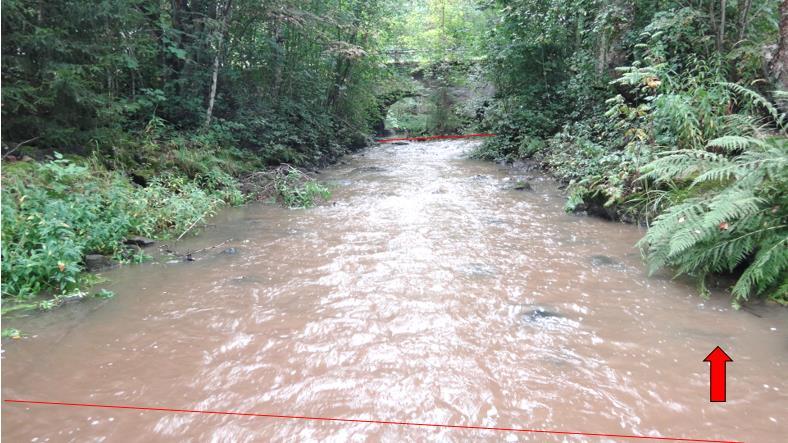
[424, 292]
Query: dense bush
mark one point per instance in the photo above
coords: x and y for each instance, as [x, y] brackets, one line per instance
[56, 212]
[289, 81]
[733, 214]
[666, 117]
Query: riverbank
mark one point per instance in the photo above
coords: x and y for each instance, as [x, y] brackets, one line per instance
[709, 212]
[427, 293]
[66, 216]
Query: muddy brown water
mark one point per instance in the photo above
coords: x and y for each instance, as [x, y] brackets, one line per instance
[425, 293]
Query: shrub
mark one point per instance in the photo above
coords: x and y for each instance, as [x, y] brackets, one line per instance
[54, 213]
[736, 216]
[297, 190]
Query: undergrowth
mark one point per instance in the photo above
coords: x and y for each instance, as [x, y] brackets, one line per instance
[58, 211]
[691, 144]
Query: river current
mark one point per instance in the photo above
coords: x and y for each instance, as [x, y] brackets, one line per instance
[425, 291]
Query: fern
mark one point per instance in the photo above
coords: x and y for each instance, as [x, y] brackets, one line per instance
[759, 100]
[736, 215]
[731, 143]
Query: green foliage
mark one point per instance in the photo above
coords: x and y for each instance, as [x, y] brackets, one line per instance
[294, 80]
[54, 213]
[104, 293]
[11, 333]
[297, 190]
[735, 217]
[435, 30]
[651, 112]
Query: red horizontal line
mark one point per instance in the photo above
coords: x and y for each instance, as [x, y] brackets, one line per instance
[377, 422]
[433, 137]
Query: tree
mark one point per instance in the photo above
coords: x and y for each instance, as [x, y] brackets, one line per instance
[227, 11]
[779, 64]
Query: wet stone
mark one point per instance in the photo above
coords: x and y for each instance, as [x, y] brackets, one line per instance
[539, 313]
[604, 260]
[97, 262]
[229, 251]
[133, 249]
[72, 298]
[517, 184]
[494, 221]
[139, 241]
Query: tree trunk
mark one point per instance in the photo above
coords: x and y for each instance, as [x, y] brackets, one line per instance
[744, 14]
[216, 63]
[278, 61]
[601, 59]
[714, 28]
[779, 64]
[721, 40]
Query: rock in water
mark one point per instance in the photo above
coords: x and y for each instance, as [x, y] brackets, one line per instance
[517, 184]
[229, 251]
[72, 298]
[603, 260]
[477, 270]
[97, 262]
[536, 313]
[139, 241]
[522, 186]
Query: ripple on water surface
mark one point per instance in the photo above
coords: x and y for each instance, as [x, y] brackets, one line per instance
[428, 293]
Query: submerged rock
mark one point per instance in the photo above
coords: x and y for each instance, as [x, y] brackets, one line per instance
[522, 186]
[229, 251]
[97, 262]
[244, 279]
[540, 313]
[604, 260]
[72, 298]
[139, 241]
[494, 221]
[517, 184]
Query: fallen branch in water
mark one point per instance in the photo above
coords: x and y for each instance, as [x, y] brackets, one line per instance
[292, 186]
[188, 255]
[191, 226]
[211, 247]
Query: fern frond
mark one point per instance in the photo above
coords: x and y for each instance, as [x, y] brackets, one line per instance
[759, 100]
[769, 263]
[681, 164]
[733, 143]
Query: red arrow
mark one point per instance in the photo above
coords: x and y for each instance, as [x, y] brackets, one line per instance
[717, 359]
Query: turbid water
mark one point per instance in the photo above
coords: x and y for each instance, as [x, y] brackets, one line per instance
[423, 293]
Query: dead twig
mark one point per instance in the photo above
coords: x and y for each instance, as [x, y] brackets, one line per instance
[191, 226]
[19, 145]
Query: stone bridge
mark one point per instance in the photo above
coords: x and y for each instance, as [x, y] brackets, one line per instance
[421, 80]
